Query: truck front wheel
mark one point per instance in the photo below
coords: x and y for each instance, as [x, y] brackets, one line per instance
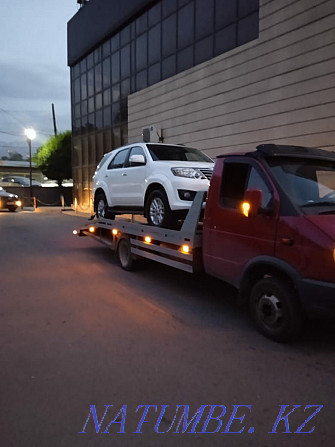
[275, 309]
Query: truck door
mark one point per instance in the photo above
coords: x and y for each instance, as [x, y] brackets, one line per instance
[231, 239]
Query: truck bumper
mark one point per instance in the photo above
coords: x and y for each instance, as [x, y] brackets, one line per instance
[317, 297]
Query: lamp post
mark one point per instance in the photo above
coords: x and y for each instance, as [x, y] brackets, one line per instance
[30, 134]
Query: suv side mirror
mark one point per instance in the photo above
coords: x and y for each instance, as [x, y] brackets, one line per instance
[136, 160]
[252, 202]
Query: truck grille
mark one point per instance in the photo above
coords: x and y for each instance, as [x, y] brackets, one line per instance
[207, 173]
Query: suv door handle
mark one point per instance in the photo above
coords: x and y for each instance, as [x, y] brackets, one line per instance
[124, 175]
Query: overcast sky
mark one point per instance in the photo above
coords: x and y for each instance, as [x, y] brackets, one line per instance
[33, 70]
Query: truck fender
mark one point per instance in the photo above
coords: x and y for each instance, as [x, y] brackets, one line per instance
[263, 266]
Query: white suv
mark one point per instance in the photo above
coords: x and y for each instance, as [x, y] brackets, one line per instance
[157, 179]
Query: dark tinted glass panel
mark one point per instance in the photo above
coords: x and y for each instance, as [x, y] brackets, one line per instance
[125, 88]
[141, 80]
[116, 92]
[204, 18]
[186, 25]
[169, 32]
[84, 108]
[119, 160]
[83, 66]
[141, 24]
[225, 40]
[183, 2]
[91, 105]
[77, 112]
[125, 62]
[124, 110]
[141, 52]
[168, 6]
[106, 49]
[90, 82]
[154, 44]
[116, 113]
[204, 50]
[225, 12]
[133, 56]
[90, 61]
[116, 134]
[154, 74]
[124, 134]
[107, 97]
[247, 29]
[97, 55]
[98, 77]
[77, 90]
[125, 35]
[91, 122]
[98, 119]
[115, 67]
[169, 67]
[107, 117]
[185, 59]
[106, 68]
[115, 42]
[98, 101]
[154, 14]
[76, 70]
[246, 7]
[83, 86]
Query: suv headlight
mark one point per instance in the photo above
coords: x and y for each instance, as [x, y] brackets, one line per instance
[188, 172]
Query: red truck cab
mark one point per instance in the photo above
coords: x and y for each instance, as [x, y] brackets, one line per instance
[269, 230]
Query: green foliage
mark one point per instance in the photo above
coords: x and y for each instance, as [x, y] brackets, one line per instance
[54, 157]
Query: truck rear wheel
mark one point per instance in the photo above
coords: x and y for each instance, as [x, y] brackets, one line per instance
[275, 309]
[124, 254]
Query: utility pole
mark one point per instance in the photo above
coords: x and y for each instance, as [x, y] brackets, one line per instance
[54, 119]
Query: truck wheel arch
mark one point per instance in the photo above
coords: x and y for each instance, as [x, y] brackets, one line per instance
[263, 267]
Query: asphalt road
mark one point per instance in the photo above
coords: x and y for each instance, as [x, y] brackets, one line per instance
[81, 338]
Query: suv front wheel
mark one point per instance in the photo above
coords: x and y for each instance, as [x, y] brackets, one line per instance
[158, 211]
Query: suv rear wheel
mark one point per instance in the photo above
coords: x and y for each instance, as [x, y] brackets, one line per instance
[158, 210]
[101, 207]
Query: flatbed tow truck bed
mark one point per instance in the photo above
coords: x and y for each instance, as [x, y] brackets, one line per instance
[130, 240]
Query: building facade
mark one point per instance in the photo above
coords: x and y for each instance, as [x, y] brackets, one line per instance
[219, 75]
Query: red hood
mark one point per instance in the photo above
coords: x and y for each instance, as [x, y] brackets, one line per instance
[325, 222]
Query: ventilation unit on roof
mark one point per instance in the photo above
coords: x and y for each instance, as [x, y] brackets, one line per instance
[152, 134]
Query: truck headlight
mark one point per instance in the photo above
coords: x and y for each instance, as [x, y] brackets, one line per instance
[188, 172]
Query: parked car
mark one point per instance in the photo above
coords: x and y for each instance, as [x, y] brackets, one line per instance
[8, 200]
[157, 179]
[18, 181]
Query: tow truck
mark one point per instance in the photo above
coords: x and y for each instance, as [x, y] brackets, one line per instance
[266, 226]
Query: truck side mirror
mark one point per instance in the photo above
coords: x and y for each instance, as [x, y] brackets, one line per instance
[136, 160]
[252, 202]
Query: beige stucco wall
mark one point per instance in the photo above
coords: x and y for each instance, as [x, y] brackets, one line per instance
[278, 88]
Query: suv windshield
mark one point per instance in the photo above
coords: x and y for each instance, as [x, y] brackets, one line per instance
[176, 153]
[309, 183]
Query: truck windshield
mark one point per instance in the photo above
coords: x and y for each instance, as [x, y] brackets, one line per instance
[176, 153]
[310, 183]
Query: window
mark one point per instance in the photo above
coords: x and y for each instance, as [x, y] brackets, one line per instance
[186, 26]
[119, 160]
[236, 179]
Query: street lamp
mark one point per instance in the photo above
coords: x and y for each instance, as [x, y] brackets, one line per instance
[31, 135]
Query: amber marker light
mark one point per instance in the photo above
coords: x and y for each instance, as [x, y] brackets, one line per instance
[185, 249]
[245, 208]
[91, 229]
[114, 232]
[147, 239]
[75, 232]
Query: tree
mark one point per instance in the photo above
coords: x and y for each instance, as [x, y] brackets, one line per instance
[54, 157]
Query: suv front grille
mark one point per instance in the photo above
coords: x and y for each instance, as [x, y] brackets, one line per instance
[207, 172]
